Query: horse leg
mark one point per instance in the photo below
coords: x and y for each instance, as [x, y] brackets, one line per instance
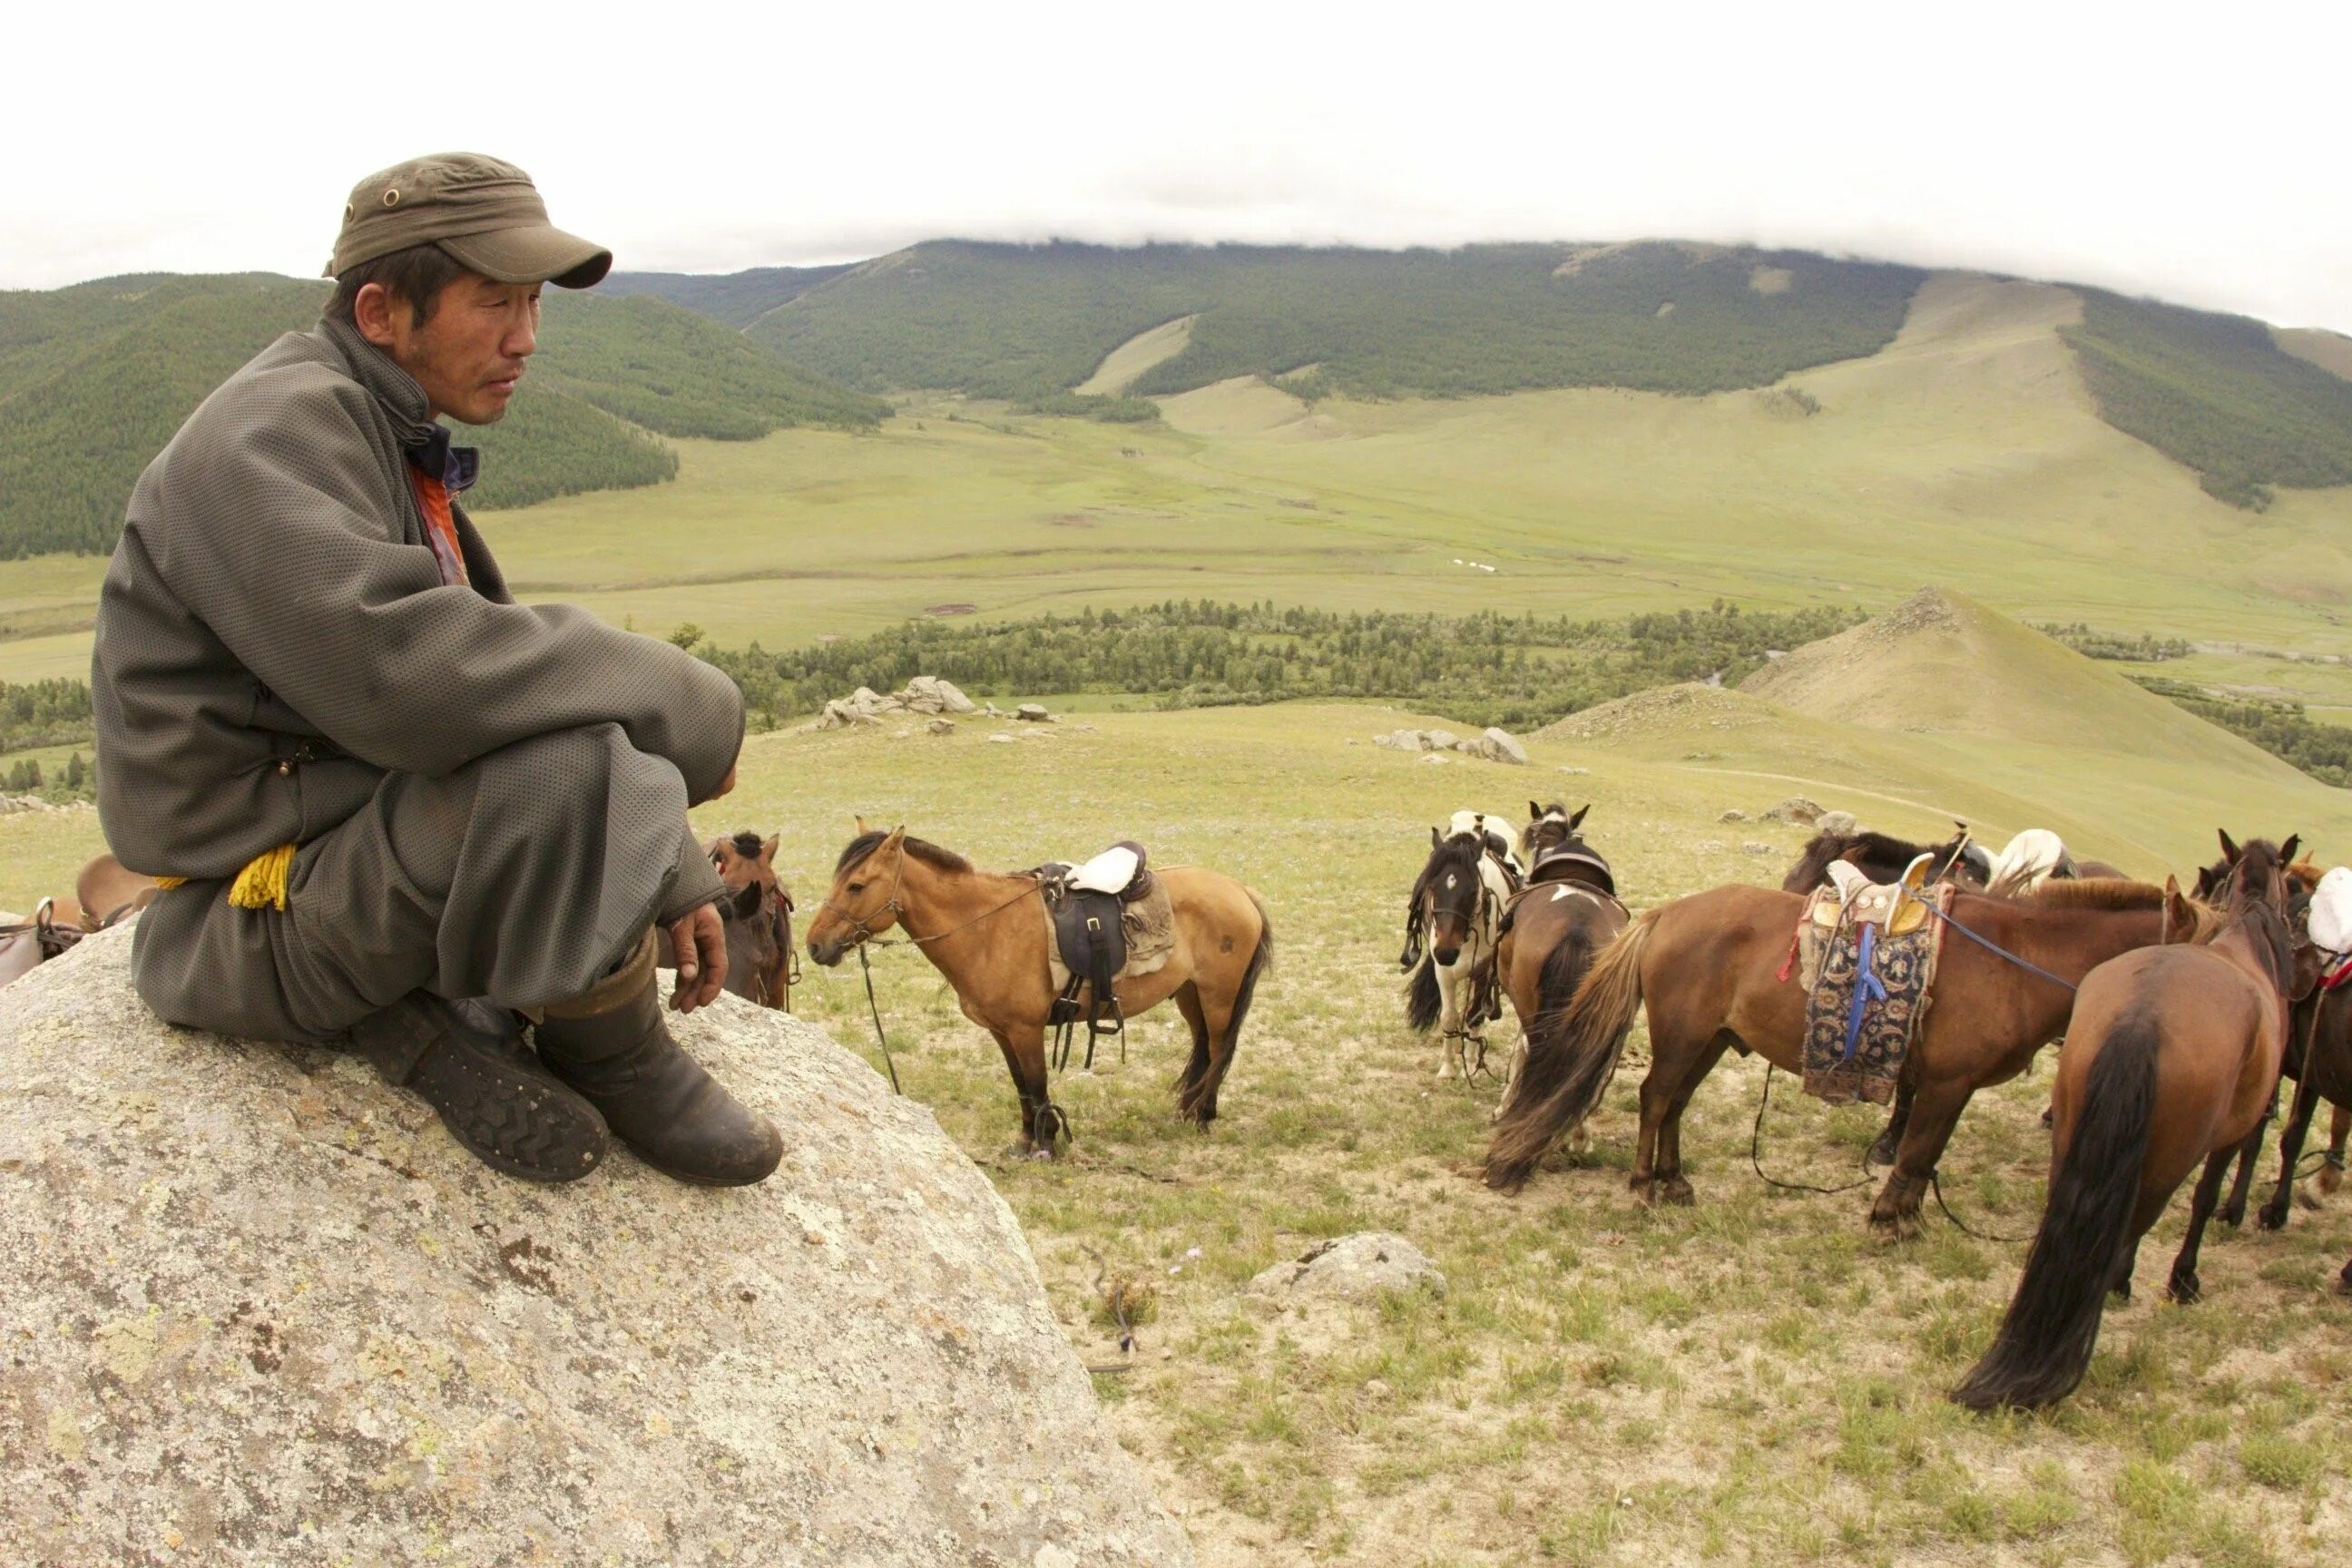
[1890, 1142]
[2121, 1289]
[1450, 986]
[1933, 1113]
[2184, 1287]
[1213, 1039]
[2234, 1211]
[2339, 1126]
[1654, 1101]
[2291, 1135]
[1673, 1187]
[1196, 1019]
[1041, 1121]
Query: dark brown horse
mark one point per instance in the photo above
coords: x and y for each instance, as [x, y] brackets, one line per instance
[1883, 858]
[1550, 931]
[985, 932]
[756, 916]
[1709, 968]
[2170, 1058]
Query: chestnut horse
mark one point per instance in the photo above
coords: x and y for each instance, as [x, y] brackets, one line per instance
[985, 931]
[2171, 1058]
[1710, 965]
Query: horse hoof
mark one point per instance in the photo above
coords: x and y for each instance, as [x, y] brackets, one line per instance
[2271, 1217]
[2234, 1216]
[1892, 1228]
[2120, 1289]
[2186, 1290]
[1645, 1191]
[1881, 1155]
[1678, 1192]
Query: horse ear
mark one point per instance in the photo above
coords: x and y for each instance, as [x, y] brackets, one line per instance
[1435, 838]
[2287, 850]
[2179, 920]
[1579, 817]
[862, 829]
[1535, 812]
[2228, 850]
[767, 850]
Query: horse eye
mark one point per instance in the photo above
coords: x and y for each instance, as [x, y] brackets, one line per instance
[857, 887]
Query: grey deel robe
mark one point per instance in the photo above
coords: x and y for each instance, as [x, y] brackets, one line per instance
[490, 797]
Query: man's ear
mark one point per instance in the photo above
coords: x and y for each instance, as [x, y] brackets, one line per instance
[374, 310]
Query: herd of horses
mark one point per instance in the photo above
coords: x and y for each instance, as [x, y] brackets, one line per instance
[2176, 1013]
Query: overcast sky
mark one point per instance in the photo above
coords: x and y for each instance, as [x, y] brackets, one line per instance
[2197, 158]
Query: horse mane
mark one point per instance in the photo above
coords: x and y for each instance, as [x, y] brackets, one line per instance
[922, 849]
[1824, 847]
[747, 844]
[2097, 893]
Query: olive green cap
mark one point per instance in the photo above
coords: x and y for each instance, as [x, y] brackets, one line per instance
[486, 214]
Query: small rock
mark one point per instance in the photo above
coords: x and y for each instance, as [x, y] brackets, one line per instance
[1003, 737]
[1438, 758]
[940, 727]
[1734, 815]
[1837, 822]
[1796, 811]
[1350, 1267]
[1376, 1389]
[1753, 848]
[1710, 846]
[1034, 713]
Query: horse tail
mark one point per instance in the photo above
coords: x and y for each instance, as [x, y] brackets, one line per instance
[2045, 1342]
[1571, 1056]
[1422, 1004]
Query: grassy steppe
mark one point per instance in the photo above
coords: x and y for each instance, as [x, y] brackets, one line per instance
[1750, 1380]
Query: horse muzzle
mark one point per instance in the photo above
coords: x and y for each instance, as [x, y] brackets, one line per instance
[825, 954]
[1446, 956]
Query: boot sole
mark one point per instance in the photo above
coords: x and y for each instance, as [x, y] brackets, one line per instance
[535, 1142]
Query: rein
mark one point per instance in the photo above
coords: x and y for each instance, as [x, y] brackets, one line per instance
[1996, 949]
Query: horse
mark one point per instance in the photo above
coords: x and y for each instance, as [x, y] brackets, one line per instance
[104, 895]
[2171, 1059]
[1449, 943]
[1709, 967]
[985, 932]
[756, 917]
[2319, 1058]
[1549, 933]
[1884, 857]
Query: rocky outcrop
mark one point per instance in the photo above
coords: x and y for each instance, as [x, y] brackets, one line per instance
[1494, 744]
[1796, 811]
[923, 694]
[260, 1309]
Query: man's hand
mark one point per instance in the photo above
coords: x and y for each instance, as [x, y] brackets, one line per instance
[700, 942]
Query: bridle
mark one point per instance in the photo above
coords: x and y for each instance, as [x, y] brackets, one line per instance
[863, 933]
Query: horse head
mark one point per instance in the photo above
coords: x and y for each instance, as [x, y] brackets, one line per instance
[756, 916]
[1451, 893]
[864, 898]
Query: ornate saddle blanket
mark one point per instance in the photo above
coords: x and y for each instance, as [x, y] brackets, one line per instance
[1867, 962]
[1105, 921]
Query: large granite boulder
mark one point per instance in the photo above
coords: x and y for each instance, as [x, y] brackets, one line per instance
[260, 1309]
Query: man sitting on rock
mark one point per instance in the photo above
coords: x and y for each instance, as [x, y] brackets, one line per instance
[391, 806]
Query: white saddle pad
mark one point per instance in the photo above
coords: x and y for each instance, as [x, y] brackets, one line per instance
[2331, 911]
[1108, 872]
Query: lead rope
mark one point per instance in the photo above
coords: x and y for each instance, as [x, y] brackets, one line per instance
[867, 969]
[1756, 1145]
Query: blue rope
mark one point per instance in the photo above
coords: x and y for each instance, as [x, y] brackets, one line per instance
[1996, 948]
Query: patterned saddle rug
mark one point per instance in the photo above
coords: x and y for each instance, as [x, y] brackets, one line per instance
[1867, 962]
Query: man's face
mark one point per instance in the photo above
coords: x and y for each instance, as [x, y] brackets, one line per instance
[469, 352]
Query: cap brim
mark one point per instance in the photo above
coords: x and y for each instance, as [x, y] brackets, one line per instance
[539, 253]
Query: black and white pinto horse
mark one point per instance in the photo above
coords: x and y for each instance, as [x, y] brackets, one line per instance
[1450, 935]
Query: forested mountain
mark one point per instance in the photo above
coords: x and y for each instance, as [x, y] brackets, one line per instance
[95, 378]
[738, 299]
[2217, 392]
[1025, 322]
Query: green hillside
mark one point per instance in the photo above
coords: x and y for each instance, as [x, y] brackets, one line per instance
[1024, 321]
[2216, 393]
[738, 299]
[94, 379]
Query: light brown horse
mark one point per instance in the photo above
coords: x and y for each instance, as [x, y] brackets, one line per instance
[984, 931]
[1709, 966]
[2171, 1058]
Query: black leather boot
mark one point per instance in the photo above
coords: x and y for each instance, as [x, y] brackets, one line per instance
[468, 1061]
[612, 1046]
